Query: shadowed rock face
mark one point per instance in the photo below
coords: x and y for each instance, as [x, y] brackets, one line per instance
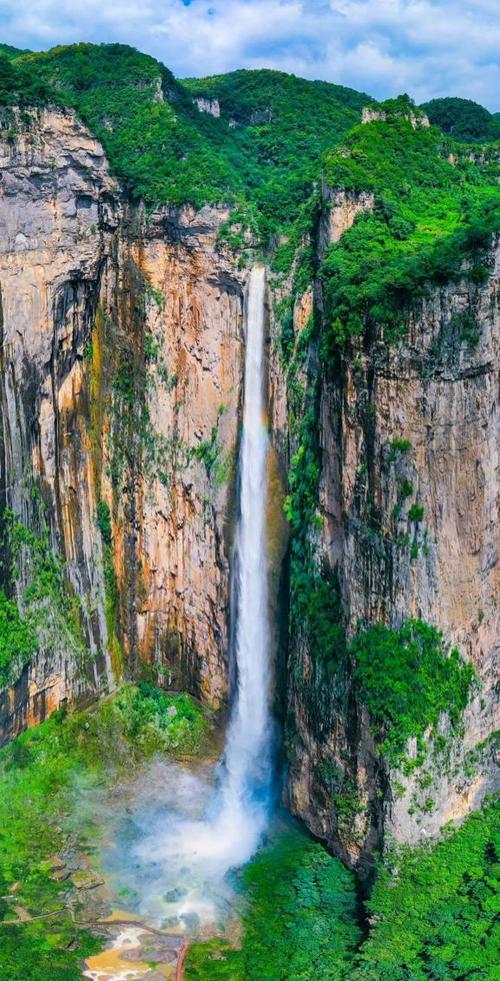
[120, 382]
[440, 395]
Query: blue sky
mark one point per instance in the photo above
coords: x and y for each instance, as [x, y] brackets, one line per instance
[425, 47]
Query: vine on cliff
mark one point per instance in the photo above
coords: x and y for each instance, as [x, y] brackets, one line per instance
[49, 610]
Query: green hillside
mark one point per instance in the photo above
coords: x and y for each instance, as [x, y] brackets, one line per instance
[9, 52]
[463, 119]
[264, 152]
[433, 208]
[164, 150]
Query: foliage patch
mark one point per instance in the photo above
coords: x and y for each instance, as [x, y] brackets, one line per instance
[407, 678]
[300, 919]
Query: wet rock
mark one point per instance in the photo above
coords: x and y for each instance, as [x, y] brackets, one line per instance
[133, 954]
[156, 955]
[173, 895]
[57, 863]
[61, 874]
[191, 920]
[87, 879]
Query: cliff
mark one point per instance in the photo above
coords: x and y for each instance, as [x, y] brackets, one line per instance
[406, 527]
[121, 378]
[121, 372]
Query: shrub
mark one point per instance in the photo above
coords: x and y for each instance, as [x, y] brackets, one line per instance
[416, 512]
[407, 678]
[104, 521]
[18, 641]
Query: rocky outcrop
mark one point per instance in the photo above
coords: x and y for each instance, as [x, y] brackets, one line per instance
[423, 416]
[121, 372]
[415, 116]
[339, 213]
[211, 106]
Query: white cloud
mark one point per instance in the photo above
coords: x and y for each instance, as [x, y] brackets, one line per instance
[425, 47]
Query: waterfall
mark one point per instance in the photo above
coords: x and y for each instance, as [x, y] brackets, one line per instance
[246, 781]
[183, 859]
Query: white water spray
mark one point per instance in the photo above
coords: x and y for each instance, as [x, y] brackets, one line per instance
[247, 778]
[188, 850]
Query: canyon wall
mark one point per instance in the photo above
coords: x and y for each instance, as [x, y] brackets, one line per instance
[422, 415]
[121, 375]
[121, 361]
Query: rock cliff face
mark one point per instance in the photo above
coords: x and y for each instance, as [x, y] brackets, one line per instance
[120, 384]
[121, 375]
[425, 417]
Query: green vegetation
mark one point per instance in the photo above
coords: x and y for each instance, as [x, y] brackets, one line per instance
[18, 641]
[39, 773]
[315, 608]
[416, 512]
[145, 121]
[9, 52]
[111, 592]
[208, 451]
[155, 721]
[262, 154]
[429, 217]
[299, 921]
[433, 909]
[407, 678]
[432, 914]
[463, 119]
[18, 86]
[104, 521]
[49, 613]
[398, 448]
[279, 127]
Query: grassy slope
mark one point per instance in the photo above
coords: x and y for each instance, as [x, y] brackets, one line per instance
[38, 774]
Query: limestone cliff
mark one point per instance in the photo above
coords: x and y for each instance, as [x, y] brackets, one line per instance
[121, 376]
[423, 415]
[121, 370]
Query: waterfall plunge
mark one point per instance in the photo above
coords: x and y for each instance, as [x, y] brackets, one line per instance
[247, 778]
[188, 849]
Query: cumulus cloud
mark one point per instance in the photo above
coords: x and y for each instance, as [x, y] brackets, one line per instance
[425, 47]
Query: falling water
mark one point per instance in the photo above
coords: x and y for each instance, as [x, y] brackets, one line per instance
[184, 852]
[247, 777]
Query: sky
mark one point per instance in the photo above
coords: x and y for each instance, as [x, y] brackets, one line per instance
[428, 48]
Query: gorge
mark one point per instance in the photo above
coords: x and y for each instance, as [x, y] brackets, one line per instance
[249, 452]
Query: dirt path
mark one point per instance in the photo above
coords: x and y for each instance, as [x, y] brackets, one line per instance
[179, 971]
